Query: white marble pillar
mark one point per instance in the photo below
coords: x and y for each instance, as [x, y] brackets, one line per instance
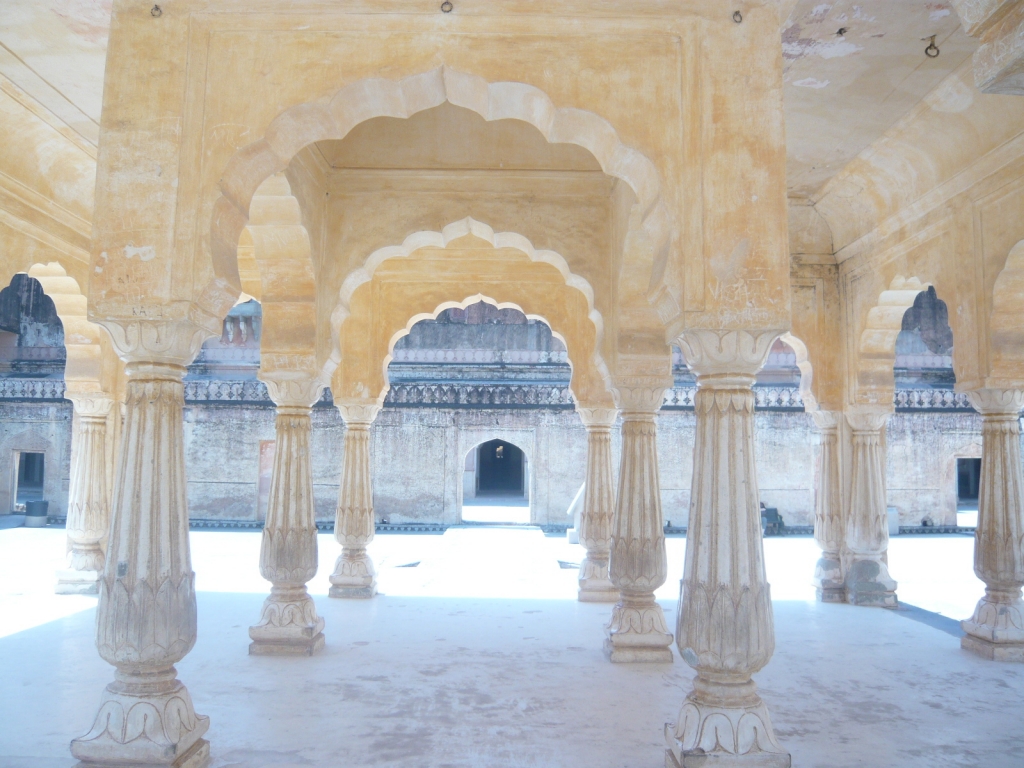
[867, 526]
[996, 630]
[828, 512]
[725, 628]
[354, 526]
[598, 507]
[146, 620]
[88, 501]
[289, 624]
[637, 631]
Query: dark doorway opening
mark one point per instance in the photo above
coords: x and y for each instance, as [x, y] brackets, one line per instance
[500, 469]
[968, 479]
[30, 477]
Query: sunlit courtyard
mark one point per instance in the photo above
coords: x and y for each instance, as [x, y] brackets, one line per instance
[507, 668]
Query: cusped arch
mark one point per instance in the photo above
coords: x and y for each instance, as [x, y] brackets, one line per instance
[448, 235]
[803, 362]
[275, 248]
[1006, 323]
[876, 349]
[332, 119]
[367, 341]
[91, 365]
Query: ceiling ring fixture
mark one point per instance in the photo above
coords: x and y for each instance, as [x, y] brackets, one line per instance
[156, 11]
[446, 6]
[737, 16]
[932, 50]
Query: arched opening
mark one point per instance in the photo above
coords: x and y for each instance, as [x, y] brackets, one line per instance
[32, 363]
[921, 491]
[498, 380]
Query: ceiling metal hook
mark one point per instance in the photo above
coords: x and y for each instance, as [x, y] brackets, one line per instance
[932, 50]
[737, 17]
[446, 6]
[156, 11]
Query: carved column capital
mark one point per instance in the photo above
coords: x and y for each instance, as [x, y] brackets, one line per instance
[293, 391]
[597, 417]
[636, 397]
[826, 421]
[995, 402]
[358, 413]
[91, 404]
[867, 418]
[150, 340]
[720, 353]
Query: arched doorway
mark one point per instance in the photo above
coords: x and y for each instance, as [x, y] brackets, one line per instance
[495, 486]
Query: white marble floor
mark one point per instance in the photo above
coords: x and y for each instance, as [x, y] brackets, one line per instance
[479, 656]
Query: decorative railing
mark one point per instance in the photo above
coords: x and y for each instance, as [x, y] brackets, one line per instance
[31, 389]
[496, 356]
[479, 395]
[463, 395]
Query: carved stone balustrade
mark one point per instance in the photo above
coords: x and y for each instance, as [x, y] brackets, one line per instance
[289, 624]
[828, 512]
[354, 575]
[867, 527]
[725, 628]
[88, 501]
[598, 508]
[996, 630]
[146, 620]
[637, 631]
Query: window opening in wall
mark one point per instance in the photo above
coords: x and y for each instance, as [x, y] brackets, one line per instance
[30, 477]
[968, 481]
[497, 487]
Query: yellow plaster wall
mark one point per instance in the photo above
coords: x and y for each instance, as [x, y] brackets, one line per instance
[220, 108]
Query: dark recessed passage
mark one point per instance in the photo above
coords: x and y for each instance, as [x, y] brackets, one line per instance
[500, 469]
[968, 479]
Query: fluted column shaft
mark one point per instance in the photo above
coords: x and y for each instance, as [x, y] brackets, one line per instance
[828, 512]
[354, 575]
[867, 526]
[88, 502]
[996, 630]
[637, 631]
[725, 628]
[289, 623]
[598, 508]
[146, 621]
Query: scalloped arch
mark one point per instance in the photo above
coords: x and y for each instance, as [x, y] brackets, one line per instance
[449, 234]
[803, 362]
[876, 351]
[305, 124]
[1007, 320]
[468, 301]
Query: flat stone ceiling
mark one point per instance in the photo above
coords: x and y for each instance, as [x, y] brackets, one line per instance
[842, 91]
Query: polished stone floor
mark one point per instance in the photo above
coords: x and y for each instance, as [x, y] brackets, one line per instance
[479, 656]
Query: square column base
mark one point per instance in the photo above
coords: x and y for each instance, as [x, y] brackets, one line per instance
[610, 595]
[831, 595]
[358, 593]
[198, 756]
[657, 651]
[300, 644]
[1013, 652]
[72, 582]
[723, 760]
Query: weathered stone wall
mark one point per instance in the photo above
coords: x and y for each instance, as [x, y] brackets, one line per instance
[419, 458]
[922, 453]
[39, 428]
